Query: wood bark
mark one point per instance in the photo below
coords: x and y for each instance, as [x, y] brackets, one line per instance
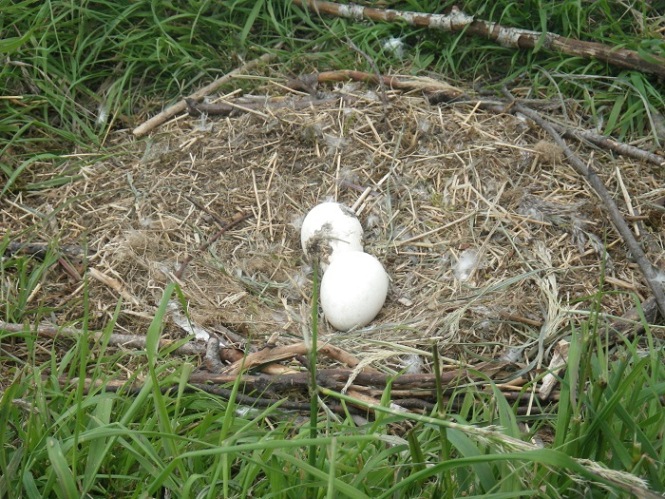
[457, 21]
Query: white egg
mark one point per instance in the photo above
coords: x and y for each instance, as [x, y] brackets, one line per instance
[330, 228]
[353, 290]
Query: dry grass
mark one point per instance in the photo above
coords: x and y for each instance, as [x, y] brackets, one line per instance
[440, 184]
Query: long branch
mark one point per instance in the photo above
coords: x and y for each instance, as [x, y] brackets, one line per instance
[458, 21]
[651, 273]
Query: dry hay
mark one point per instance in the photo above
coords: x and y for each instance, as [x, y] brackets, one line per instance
[443, 184]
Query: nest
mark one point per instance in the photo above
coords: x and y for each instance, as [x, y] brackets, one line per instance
[493, 244]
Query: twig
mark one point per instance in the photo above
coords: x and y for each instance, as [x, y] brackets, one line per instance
[337, 378]
[205, 210]
[557, 364]
[114, 284]
[115, 339]
[288, 405]
[649, 271]
[458, 21]
[429, 86]
[180, 106]
[611, 144]
[226, 109]
[235, 221]
[276, 354]
[407, 386]
[412, 404]
[39, 250]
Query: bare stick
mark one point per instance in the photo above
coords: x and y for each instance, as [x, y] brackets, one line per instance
[428, 86]
[458, 21]
[122, 340]
[611, 144]
[337, 379]
[276, 354]
[114, 284]
[205, 210]
[181, 105]
[583, 136]
[227, 109]
[650, 272]
[418, 386]
[288, 405]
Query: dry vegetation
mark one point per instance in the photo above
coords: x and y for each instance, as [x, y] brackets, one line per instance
[434, 185]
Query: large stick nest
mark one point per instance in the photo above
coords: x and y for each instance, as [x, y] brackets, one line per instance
[491, 241]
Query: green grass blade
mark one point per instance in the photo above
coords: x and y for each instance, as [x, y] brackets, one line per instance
[98, 451]
[468, 448]
[66, 483]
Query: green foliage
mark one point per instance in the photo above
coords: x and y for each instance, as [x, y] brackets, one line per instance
[61, 437]
[69, 64]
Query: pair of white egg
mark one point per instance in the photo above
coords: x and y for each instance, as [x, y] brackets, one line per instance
[354, 284]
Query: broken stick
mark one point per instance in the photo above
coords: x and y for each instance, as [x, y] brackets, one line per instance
[275, 354]
[181, 105]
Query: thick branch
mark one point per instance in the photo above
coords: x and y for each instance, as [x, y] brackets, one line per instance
[458, 21]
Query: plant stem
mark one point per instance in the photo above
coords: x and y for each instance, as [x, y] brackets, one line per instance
[445, 445]
[313, 389]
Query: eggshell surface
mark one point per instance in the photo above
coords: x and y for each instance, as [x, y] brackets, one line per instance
[353, 290]
[330, 228]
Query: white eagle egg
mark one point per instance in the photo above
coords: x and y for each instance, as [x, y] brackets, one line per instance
[353, 290]
[330, 228]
